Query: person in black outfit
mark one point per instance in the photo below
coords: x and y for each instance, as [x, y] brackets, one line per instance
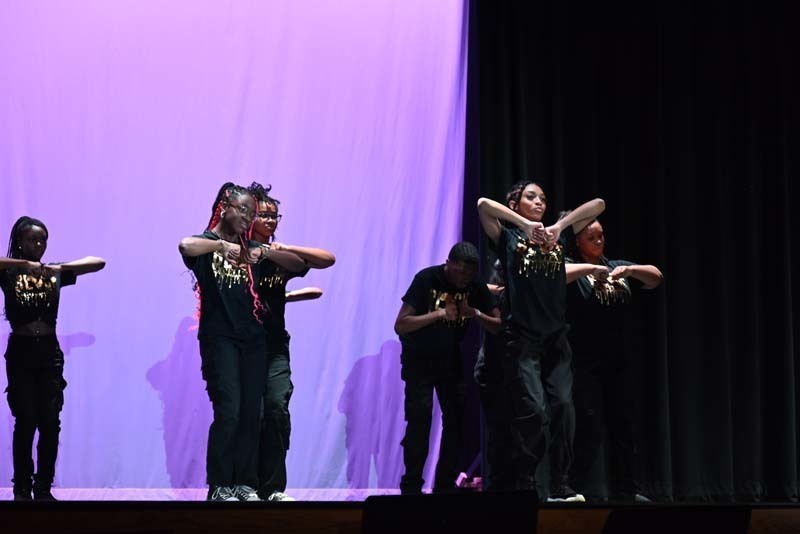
[286, 262]
[226, 267]
[599, 302]
[431, 323]
[495, 410]
[34, 360]
[537, 361]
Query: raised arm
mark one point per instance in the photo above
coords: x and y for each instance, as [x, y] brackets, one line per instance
[649, 275]
[89, 264]
[587, 211]
[315, 257]
[491, 214]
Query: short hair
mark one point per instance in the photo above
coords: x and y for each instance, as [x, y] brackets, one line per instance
[466, 252]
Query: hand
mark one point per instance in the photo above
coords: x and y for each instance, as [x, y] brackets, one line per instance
[277, 246]
[465, 310]
[552, 233]
[231, 251]
[621, 271]
[254, 254]
[450, 310]
[600, 272]
[534, 231]
[34, 268]
[50, 270]
[495, 289]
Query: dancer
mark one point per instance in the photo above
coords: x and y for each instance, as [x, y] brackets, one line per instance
[537, 372]
[271, 287]
[225, 266]
[431, 323]
[598, 302]
[34, 360]
[496, 435]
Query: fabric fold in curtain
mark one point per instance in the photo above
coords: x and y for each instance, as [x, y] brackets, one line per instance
[684, 117]
[120, 120]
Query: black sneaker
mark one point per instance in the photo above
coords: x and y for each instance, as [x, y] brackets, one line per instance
[564, 493]
[43, 494]
[221, 493]
[22, 494]
[245, 493]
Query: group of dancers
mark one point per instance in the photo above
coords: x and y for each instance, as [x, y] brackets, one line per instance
[525, 368]
[240, 273]
[552, 288]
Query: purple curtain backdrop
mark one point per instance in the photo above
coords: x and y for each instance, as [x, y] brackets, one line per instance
[119, 121]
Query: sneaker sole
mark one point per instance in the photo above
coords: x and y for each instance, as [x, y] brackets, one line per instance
[574, 498]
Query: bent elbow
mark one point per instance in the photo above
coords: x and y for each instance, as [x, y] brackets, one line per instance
[183, 246]
[600, 205]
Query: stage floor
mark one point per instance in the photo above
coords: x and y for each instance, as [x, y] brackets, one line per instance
[198, 494]
[167, 515]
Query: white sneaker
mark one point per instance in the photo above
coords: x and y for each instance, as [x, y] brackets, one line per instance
[564, 493]
[245, 493]
[276, 496]
[222, 493]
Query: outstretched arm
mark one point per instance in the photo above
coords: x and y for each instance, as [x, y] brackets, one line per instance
[89, 264]
[649, 275]
[9, 263]
[492, 213]
[191, 247]
[288, 260]
[306, 293]
[315, 257]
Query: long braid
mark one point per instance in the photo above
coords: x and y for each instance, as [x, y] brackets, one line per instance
[258, 306]
[224, 194]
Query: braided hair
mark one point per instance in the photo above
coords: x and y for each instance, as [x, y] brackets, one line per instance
[225, 193]
[515, 193]
[261, 194]
[23, 223]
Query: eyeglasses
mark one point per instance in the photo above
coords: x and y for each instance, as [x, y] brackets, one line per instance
[242, 209]
[269, 216]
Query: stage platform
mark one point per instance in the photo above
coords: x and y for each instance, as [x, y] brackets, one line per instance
[451, 514]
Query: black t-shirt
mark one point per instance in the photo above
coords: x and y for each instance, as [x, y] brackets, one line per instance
[30, 298]
[271, 289]
[436, 346]
[536, 284]
[598, 312]
[227, 304]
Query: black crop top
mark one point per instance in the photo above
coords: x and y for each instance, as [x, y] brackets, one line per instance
[30, 298]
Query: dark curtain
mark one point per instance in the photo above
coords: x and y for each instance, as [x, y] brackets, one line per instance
[683, 116]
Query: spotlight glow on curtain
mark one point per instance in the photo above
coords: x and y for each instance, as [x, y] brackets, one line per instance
[119, 122]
